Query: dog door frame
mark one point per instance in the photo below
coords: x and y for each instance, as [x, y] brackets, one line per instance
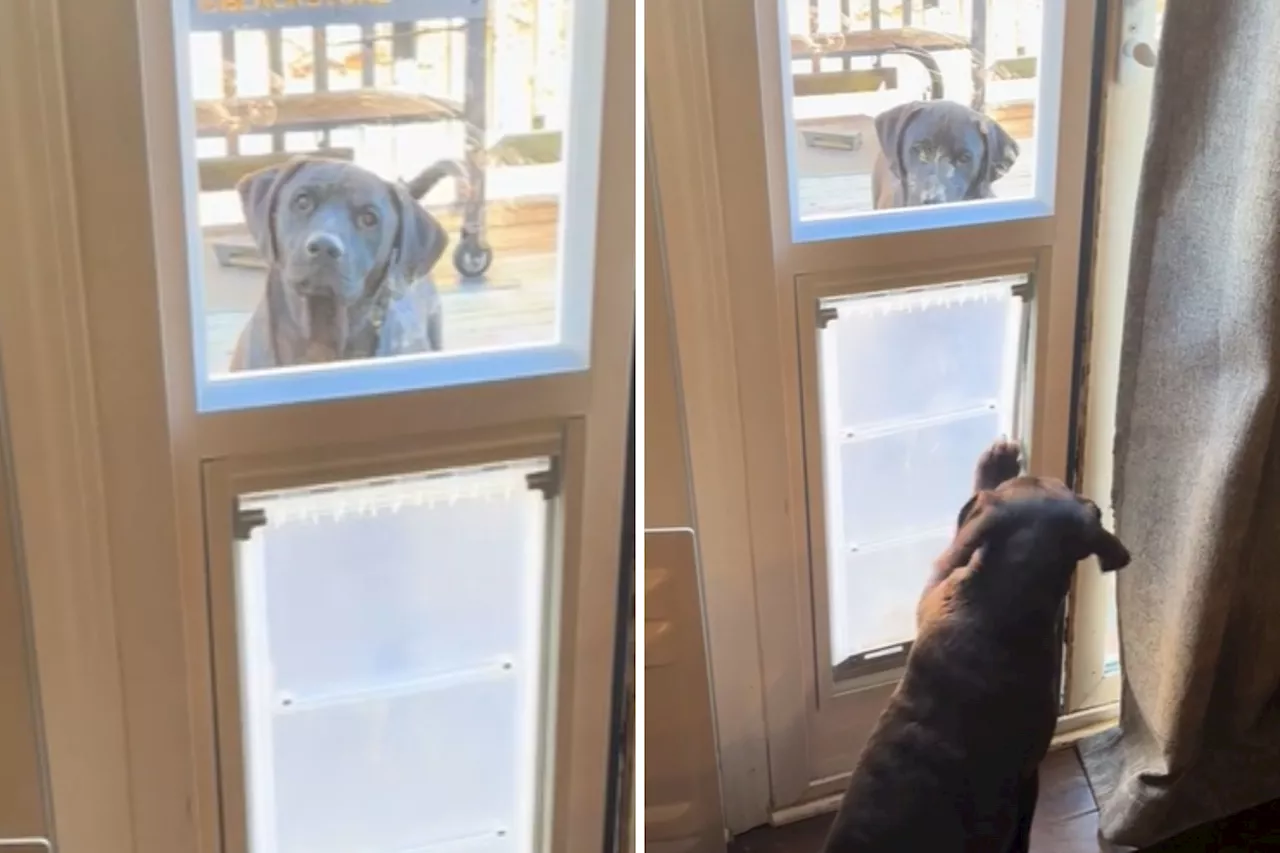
[241, 680]
[875, 667]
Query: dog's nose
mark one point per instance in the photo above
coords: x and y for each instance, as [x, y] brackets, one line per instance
[324, 245]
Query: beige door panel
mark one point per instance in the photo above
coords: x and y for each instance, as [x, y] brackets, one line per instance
[683, 812]
[23, 824]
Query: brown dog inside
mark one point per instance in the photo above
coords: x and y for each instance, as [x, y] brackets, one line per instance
[1054, 517]
[952, 763]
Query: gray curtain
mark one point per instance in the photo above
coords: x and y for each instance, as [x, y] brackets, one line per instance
[1197, 489]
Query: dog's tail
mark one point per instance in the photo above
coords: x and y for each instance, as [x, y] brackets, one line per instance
[425, 181]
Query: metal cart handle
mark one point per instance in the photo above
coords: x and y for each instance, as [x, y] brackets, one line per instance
[26, 844]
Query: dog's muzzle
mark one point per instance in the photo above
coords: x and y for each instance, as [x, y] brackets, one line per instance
[322, 266]
[323, 246]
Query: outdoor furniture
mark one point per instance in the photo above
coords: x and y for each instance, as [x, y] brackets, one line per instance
[877, 42]
[325, 110]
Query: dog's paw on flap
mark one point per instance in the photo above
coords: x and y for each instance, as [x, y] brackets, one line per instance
[1000, 462]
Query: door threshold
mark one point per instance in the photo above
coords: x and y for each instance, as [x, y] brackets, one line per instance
[1071, 729]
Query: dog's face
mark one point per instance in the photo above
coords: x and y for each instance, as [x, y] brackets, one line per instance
[1032, 531]
[335, 232]
[941, 151]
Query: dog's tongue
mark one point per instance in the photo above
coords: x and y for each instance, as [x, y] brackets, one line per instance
[328, 335]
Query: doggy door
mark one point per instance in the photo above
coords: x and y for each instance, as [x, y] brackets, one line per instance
[913, 386]
[387, 194]
[392, 666]
[891, 106]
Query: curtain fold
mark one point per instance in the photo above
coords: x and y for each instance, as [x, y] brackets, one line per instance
[1197, 485]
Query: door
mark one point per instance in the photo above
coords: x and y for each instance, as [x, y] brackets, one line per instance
[683, 809]
[873, 219]
[316, 348]
[24, 820]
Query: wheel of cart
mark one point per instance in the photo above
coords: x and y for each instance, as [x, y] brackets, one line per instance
[473, 256]
[325, 110]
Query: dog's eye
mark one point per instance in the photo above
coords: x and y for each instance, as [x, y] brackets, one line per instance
[920, 150]
[963, 158]
[368, 218]
[303, 203]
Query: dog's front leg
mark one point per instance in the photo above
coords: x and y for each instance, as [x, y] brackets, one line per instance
[1000, 462]
[1028, 794]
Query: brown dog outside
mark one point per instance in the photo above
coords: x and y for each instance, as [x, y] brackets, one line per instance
[348, 257]
[952, 765]
[937, 152]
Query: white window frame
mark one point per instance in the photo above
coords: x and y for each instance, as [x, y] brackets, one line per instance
[171, 112]
[907, 220]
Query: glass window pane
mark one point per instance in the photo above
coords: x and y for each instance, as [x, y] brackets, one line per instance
[875, 591]
[1111, 644]
[392, 663]
[918, 103]
[912, 478]
[914, 385]
[403, 189]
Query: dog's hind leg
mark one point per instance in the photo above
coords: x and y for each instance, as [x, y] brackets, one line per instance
[435, 329]
[1028, 794]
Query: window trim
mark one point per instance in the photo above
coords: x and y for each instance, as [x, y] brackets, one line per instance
[907, 220]
[174, 181]
[405, 374]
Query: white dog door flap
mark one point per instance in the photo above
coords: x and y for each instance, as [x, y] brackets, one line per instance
[392, 663]
[914, 385]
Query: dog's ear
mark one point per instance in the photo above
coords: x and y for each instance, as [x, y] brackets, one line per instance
[890, 125]
[1002, 151]
[421, 239]
[1100, 542]
[1112, 555]
[978, 519]
[259, 192]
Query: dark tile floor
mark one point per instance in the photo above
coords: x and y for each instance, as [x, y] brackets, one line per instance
[1066, 822]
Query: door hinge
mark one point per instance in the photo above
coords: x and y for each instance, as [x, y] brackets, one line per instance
[548, 481]
[245, 521]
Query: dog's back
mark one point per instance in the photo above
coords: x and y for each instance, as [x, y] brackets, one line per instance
[945, 765]
[952, 764]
